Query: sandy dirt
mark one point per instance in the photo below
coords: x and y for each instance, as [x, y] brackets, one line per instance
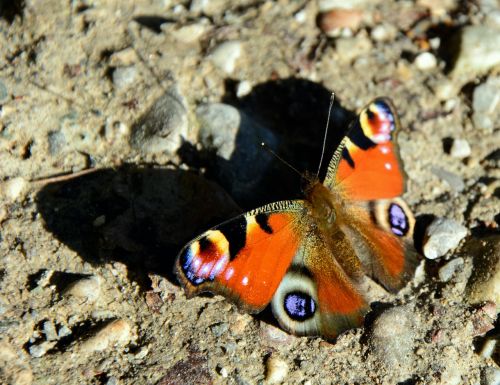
[114, 154]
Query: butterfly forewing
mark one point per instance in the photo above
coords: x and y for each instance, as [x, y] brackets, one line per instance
[244, 258]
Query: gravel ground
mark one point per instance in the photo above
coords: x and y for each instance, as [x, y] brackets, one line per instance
[126, 128]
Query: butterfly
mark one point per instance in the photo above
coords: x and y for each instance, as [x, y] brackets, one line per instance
[308, 257]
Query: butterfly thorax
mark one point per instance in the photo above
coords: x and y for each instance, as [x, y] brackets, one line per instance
[326, 205]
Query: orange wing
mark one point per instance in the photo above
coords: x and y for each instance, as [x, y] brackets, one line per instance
[366, 165]
[245, 258]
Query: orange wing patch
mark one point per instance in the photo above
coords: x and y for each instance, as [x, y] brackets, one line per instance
[244, 259]
[369, 167]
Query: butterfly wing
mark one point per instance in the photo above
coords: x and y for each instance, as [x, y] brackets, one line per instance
[276, 252]
[367, 165]
[244, 258]
[317, 296]
[368, 171]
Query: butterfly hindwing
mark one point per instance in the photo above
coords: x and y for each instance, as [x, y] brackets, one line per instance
[366, 165]
[381, 233]
[317, 296]
[244, 258]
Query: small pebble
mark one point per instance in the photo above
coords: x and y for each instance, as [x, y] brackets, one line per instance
[63, 331]
[490, 376]
[57, 142]
[334, 20]
[14, 188]
[426, 61]
[392, 337]
[442, 235]
[485, 103]
[273, 336]
[225, 56]
[124, 76]
[488, 348]
[479, 51]
[143, 352]
[164, 127]
[460, 149]
[276, 370]
[383, 32]
[448, 270]
[87, 289]
[243, 89]
[124, 58]
[326, 5]
[39, 350]
[188, 34]
[49, 330]
[113, 381]
[219, 329]
[116, 332]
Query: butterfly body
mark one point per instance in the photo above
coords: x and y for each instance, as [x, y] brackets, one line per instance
[307, 258]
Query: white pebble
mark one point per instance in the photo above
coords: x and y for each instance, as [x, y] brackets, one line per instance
[116, 332]
[226, 54]
[243, 89]
[276, 370]
[426, 61]
[460, 148]
[124, 76]
[14, 188]
[441, 236]
[448, 270]
[383, 32]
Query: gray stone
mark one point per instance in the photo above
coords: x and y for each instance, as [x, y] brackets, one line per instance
[448, 270]
[63, 331]
[49, 330]
[233, 136]
[392, 338]
[479, 51]
[441, 236]
[490, 376]
[485, 102]
[219, 329]
[39, 350]
[57, 141]
[163, 127]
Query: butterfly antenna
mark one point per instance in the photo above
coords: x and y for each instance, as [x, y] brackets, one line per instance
[332, 98]
[268, 149]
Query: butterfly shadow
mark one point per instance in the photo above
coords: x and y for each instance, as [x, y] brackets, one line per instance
[136, 215]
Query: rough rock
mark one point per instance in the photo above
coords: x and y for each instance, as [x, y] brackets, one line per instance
[87, 289]
[163, 127]
[441, 236]
[117, 332]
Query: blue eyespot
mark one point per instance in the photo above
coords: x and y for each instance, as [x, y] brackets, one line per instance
[398, 220]
[299, 306]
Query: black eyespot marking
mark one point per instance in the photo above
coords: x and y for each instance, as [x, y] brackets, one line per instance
[358, 136]
[398, 220]
[235, 232]
[205, 244]
[347, 157]
[262, 220]
[370, 114]
[299, 306]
